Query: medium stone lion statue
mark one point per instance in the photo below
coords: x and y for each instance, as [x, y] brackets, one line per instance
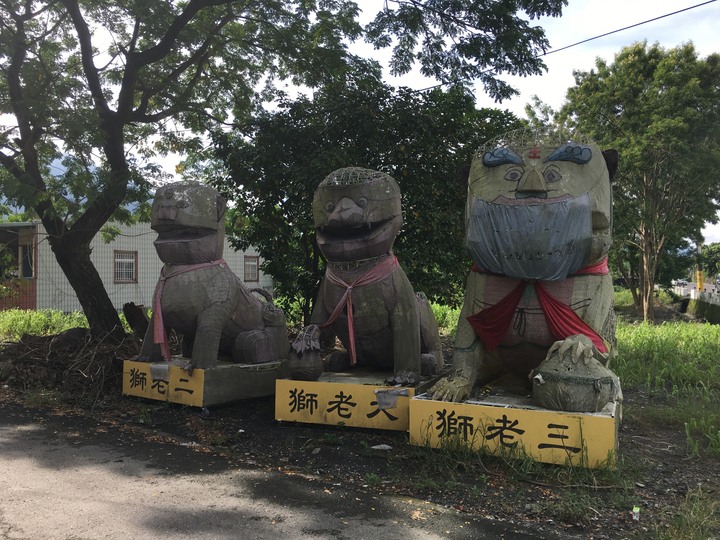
[539, 300]
[198, 296]
[365, 297]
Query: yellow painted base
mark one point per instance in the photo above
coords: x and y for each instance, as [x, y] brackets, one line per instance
[516, 429]
[344, 399]
[168, 381]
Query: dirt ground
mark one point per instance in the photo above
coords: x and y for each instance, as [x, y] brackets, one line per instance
[656, 472]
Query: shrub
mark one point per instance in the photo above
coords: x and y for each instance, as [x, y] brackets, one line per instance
[16, 322]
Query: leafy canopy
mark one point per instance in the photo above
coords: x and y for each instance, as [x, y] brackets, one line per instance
[424, 140]
[658, 108]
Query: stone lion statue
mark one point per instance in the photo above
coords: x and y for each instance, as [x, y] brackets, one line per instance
[365, 297]
[197, 295]
[538, 229]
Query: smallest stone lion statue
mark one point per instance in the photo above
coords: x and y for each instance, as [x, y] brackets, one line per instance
[365, 297]
[197, 295]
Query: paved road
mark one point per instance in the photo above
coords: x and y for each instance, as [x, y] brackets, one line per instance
[65, 477]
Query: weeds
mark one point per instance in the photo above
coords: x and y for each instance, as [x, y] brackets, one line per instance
[678, 363]
[697, 517]
[446, 317]
[372, 479]
[16, 322]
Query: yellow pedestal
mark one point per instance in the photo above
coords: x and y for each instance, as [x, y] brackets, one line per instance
[514, 428]
[344, 399]
[168, 381]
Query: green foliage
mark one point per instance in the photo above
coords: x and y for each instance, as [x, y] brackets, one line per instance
[677, 362]
[681, 354]
[657, 107]
[16, 322]
[710, 260]
[486, 40]
[424, 140]
[623, 297]
[446, 317]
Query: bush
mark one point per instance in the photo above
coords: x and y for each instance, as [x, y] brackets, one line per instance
[16, 322]
[446, 317]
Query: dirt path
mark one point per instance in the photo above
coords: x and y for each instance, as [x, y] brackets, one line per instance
[64, 476]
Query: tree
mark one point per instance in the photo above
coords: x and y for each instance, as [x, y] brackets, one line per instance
[96, 108]
[658, 108]
[465, 40]
[710, 259]
[425, 140]
[92, 81]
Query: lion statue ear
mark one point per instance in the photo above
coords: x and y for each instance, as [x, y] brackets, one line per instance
[221, 206]
[611, 160]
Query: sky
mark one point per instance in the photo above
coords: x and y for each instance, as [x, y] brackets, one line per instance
[584, 19]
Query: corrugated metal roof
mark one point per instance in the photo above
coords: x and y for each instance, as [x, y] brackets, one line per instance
[17, 224]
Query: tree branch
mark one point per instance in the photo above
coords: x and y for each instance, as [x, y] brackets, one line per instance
[86, 53]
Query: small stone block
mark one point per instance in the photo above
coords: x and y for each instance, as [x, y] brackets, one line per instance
[516, 429]
[205, 387]
[341, 399]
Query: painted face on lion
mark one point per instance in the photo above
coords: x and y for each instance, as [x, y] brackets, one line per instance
[539, 205]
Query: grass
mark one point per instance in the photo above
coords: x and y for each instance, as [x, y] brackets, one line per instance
[697, 517]
[42, 322]
[16, 322]
[678, 365]
[447, 318]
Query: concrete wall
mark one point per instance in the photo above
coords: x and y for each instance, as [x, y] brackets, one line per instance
[705, 305]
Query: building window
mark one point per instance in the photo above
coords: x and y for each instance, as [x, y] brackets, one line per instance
[126, 267]
[251, 268]
[27, 268]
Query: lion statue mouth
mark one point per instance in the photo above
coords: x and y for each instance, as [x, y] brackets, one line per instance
[542, 239]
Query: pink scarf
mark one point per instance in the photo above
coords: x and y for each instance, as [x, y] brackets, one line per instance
[377, 273]
[159, 334]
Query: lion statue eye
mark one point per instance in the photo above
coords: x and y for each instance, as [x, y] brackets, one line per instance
[362, 202]
[552, 174]
[514, 174]
[329, 206]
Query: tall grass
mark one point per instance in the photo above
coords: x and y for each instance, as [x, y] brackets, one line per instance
[16, 322]
[678, 362]
[673, 353]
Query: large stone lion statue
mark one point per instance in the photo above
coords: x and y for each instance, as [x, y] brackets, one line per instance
[538, 229]
[365, 297]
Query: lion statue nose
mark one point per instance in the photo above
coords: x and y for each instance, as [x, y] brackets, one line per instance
[531, 185]
[347, 214]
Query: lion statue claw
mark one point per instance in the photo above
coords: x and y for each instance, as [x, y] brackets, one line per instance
[455, 388]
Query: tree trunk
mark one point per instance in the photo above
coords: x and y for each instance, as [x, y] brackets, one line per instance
[647, 281]
[74, 260]
[630, 281]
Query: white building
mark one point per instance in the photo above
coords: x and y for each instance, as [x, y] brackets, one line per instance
[128, 266]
